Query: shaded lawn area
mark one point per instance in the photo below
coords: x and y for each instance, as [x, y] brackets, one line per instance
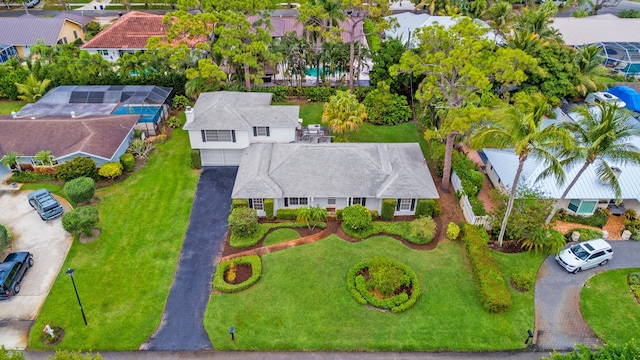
[609, 308]
[124, 277]
[7, 106]
[302, 303]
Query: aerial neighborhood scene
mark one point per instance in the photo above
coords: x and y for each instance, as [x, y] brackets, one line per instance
[379, 178]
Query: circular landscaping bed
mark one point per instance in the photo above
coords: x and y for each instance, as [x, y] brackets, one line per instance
[384, 284]
[237, 274]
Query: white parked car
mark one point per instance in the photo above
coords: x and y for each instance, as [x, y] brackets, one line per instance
[585, 255]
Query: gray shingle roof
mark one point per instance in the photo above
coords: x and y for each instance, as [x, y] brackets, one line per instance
[28, 30]
[229, 110]
[334, 170]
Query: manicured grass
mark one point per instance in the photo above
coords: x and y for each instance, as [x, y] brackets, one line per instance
[610, 308]
[7, 106]
[311, 113]
[280, 235]
[302, 303]
[606, 79]
[405, 132]
[124, 277]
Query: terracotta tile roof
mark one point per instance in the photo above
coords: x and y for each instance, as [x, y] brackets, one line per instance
[131, 31]
[62, 135]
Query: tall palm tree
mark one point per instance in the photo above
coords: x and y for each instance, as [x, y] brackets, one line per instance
[520, 127]
[343, 112]
[12, 159]
[32, 89]
[500, 16]
[601, 137]
[589, 62]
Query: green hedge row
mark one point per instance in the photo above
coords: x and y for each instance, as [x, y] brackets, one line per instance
[287, 214]
[585, 234]
[128, 161]
[239, 203]
[428, 207]
[218, 279]
[493, 290]
[598, 219]
[268, 208]
[5, 236]
[388, 209]
[196, 160]
[360, 293]
[247, 241]
[373, 39]
[398, 228]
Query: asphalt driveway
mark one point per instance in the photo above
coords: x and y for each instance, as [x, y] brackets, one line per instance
[49, 244]
[181, 326]
[559, 323]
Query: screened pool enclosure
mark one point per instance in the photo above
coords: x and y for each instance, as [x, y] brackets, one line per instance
[622, 57]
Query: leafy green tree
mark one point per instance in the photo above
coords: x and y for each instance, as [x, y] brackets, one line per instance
[501, 17]
[520, 127]
[388, 55]
[537, 20]
[92, 29]
[243, 221]
[343, 112]
[32, 89]
[12, 160]
[604, 138]
[81, 220]
[385, 108]
[11, 72]
[460, 66]
[590, 68]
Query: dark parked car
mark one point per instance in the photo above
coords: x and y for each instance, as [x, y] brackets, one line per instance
[45, 204]
[12, 271]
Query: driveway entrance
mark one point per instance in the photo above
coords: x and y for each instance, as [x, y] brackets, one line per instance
[181, 326]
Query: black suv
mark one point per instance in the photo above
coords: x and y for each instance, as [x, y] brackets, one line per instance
[12, 271]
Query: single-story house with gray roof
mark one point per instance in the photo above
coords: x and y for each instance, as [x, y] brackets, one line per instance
[222, 124]
[334, 176]
[101, 138]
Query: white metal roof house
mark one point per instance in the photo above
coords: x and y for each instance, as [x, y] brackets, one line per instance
[587, 195]
[334, 175]
[222, 124]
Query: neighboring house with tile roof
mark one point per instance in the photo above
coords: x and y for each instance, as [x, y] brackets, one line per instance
[281, 25]
[20, 33]
[275, 162]
[101, 138]
[334, 176]
[222, 124]
[127, 35]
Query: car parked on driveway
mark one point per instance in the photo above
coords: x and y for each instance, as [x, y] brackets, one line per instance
[45, 204]
[585, 255]
[12, 271]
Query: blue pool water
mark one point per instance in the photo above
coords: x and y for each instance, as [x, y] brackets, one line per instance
[149, 113]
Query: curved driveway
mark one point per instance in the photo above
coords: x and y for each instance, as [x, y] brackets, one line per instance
[181, 326]
[559, 323]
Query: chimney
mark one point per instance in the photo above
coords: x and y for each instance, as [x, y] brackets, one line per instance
[188, 113]
[73, 114]
[14, 115]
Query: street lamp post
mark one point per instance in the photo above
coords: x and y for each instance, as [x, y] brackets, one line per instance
[70, 273]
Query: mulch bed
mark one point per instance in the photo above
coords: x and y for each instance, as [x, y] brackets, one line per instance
[228, 250]
[243, 273]
[84, 239]
[508, 247]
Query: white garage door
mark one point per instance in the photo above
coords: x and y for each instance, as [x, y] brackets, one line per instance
[219, 157]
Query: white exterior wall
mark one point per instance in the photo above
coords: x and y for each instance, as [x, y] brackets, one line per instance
[242, 141]
[632, 204]
[221, 157]
[276, 135]
[113, 56]
[495, 180]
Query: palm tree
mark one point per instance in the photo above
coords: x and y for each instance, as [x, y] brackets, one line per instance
[32, 89]
[44, 157]
[500, 16]
[538, 21]
[12, 159]
[343, 112]
[601, 136]
[589, 61]
[520, 127]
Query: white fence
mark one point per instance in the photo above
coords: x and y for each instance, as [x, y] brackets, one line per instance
[467, 210]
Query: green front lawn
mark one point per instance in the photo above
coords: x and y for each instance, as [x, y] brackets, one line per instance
[124, 277]
[302, 303]
[311, 113]
[280, 235]
[610, 308]
[7, 106]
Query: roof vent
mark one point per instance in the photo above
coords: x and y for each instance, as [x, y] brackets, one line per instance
[14, 115]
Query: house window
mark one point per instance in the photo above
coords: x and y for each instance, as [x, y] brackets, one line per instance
[103, 52]
[331, 201]
[582, 207]
[294, 201]
[257, 204]
[75, 34]
[218, 136]
[406, 205]
[261, 131]
[359, 201]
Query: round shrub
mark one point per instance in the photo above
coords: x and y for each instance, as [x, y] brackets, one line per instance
[128, 161]
[423, 230]
[243, 221]
[110, 170]
[180, 102]
[77, 167]
[5, 236]
[383, 283]
[219, 282]
[453, 230]
[80, 190]
[81, 220]
[523, 280]
[356, 217]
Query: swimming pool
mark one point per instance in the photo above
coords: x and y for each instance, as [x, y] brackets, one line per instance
[150, 114]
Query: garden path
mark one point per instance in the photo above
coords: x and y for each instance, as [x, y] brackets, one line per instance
[615, 226]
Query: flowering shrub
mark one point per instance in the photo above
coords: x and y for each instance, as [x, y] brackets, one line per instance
[356, 217]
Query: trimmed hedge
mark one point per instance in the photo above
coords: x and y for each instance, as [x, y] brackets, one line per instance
[428, 207]
[80, 190]
[268, 208]
[374, 214]
[110, 170]
[362, 294]
[5, 236]
[128, 162]
[196, 160]
[287, 214]
[30, 176]
[78, 166]
[239, 203]
[398, 228]
[81, 220]
[598, 219]
[218, 279]
[491, 284]
[389, 209]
